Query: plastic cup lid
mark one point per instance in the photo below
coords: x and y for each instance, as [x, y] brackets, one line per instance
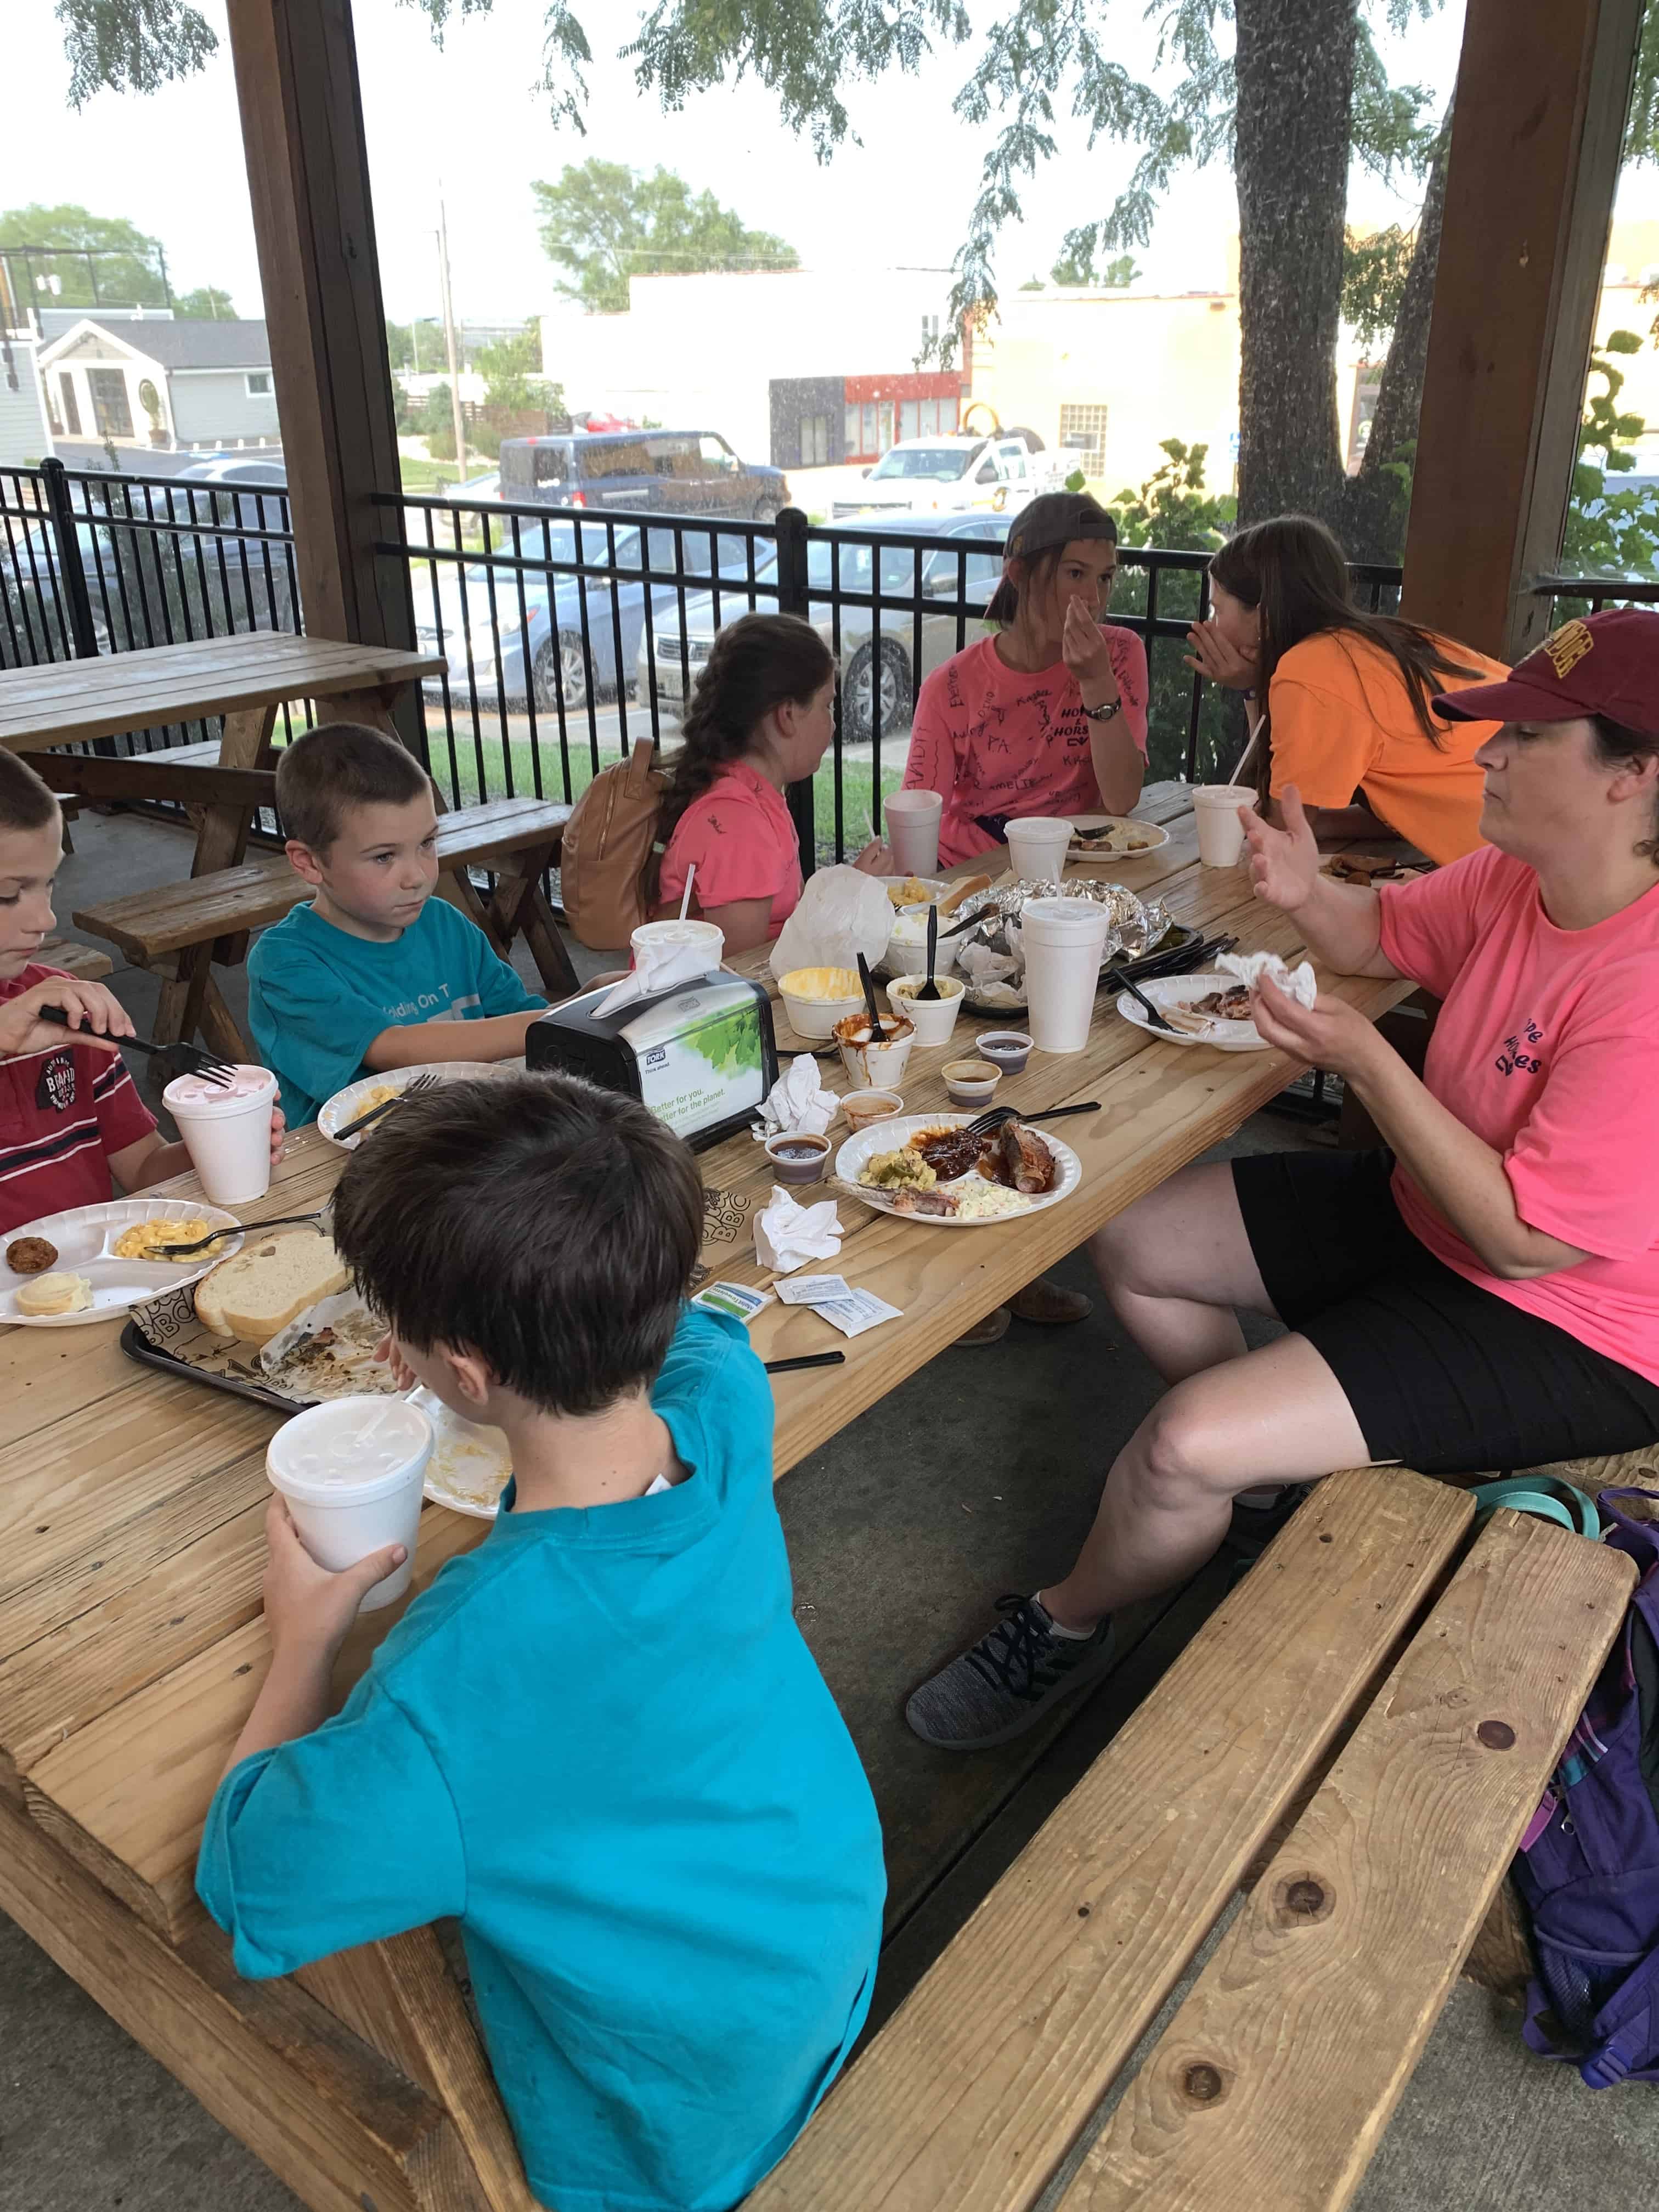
[313, 1457]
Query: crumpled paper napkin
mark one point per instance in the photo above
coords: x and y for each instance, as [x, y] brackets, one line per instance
[659, 968]
[798, 1105]
[1296, 982]
[787, 1234]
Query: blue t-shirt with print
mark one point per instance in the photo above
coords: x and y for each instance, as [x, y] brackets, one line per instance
[318, 997]
[600, 1742]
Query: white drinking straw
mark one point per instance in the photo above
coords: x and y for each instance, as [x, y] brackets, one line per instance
[1249, 747]
[685, 902]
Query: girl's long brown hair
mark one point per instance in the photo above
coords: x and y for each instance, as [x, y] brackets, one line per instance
[1294, 569]
[756, 664]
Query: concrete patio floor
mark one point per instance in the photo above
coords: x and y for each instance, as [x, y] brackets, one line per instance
[901, 1532]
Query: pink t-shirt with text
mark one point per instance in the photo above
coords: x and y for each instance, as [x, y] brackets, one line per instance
[994, 741]
[1547, 1048]
[742, 838]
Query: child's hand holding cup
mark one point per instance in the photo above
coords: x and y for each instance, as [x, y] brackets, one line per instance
[226, 1130]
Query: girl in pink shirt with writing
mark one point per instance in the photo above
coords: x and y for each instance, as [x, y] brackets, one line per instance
[1481, 1292]
[762, 718]
[1049, 715]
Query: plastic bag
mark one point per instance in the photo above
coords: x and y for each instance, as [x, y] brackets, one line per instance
[842, 913]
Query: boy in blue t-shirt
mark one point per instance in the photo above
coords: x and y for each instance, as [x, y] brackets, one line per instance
[375, 972]
[598, 1739]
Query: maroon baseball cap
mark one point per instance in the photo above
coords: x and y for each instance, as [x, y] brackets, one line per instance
[1606, 664]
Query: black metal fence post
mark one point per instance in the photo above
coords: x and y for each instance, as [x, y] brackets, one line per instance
[793, 600]
[71, 571]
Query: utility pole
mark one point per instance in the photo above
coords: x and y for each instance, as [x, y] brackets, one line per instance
[415, 343]
[449, 341]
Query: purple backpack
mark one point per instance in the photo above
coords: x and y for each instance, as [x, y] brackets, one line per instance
[1589, 1866]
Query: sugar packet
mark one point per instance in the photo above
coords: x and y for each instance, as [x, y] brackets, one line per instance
[811, 1289]
[736, 1299]
[857, 1311]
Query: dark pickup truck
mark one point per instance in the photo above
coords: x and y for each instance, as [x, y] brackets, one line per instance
[664, 471]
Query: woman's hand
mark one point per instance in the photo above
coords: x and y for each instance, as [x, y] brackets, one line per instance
[876, 859]
[1284, 863]
[1215, 658]
[1330, 1034]
[1085, 652]
[96, 1017]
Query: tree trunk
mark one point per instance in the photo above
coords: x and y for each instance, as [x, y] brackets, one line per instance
[1378, 501]
[1295, 132]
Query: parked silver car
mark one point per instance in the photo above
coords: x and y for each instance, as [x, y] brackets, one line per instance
[887, 668]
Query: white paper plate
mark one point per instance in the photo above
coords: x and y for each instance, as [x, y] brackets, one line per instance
[933, 888]
[1181, 990]
[1149, 831]
[469, 1466]
[345, 1105]
[83, 1236]
[892, 1136]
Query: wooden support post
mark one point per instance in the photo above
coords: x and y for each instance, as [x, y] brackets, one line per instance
[302, 126]
[1543, 88]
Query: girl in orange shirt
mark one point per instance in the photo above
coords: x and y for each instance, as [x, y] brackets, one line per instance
[1349, 716]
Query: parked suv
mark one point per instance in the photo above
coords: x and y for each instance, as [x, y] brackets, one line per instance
[671, 471]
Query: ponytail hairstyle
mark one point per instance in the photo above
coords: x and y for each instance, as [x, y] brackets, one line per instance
[758, 663]
[1294, 570]
[1039, 567]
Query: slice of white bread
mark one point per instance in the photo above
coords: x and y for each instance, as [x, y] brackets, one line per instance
[266, 1284]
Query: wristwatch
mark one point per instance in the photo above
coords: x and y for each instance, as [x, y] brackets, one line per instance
[1104, 713]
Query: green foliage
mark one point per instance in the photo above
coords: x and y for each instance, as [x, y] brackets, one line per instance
[1642, 125]
[1034, 284]
[1374, 273]
[131, 46]
[206, 304]
[1610, 534]
[512, 370]
[403, 352]
[129, 266]
[1074, 269]
[605, 222]
[730, 1045]
[1174, 509]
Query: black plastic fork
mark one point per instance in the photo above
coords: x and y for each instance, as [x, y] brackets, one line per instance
[181, 1059]
[995, 1116]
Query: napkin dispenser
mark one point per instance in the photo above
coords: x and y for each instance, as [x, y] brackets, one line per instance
[701, 1056]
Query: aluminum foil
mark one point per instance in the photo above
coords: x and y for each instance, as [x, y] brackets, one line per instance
[1136, 926]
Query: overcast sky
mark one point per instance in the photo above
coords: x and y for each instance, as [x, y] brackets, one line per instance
[464, 115]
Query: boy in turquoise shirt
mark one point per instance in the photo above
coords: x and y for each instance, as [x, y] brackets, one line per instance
[598, 1739]
[375, 972]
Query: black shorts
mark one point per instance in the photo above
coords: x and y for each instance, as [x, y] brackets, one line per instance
[1441, 1373]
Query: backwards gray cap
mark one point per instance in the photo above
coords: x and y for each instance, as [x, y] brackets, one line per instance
[1056, 519]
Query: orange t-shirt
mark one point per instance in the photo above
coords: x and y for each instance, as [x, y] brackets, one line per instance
[1342, 721]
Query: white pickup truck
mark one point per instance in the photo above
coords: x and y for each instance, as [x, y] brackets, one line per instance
[949, 476]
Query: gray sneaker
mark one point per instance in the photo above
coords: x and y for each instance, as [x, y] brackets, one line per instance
[999, 1686]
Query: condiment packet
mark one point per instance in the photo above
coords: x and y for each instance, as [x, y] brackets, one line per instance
[853, 1314]
[810, 1290]
[735, 1299]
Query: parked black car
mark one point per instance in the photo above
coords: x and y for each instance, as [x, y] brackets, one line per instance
[664, 471]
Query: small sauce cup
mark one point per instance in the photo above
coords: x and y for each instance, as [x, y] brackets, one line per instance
[1007, 1049]
[970, 1082]
[796, 1158]
[863, 1107]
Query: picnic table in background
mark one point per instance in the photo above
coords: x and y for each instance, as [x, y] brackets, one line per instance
[132, 1643]
[181, 930]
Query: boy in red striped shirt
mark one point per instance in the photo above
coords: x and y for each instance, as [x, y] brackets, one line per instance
[72, 1125]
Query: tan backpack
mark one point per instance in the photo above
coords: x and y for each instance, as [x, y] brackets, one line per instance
[609, 864]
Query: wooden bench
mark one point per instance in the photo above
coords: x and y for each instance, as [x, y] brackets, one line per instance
[177, 929]
[1273, 2084]
[85, 961]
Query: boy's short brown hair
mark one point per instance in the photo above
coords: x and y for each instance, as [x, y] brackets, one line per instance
[547, 1224]
[26, 802]
[338, 766]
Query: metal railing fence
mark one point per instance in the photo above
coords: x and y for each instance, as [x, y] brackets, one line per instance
[568, 634]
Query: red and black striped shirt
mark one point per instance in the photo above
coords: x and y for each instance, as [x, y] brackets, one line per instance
[62, 1114]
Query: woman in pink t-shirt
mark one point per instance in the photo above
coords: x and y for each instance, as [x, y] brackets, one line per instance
[1049, 715]
[1483, 1293]
[762, 717]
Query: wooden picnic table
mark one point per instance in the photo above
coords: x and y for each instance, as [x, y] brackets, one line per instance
[247, 679]
[132, 1643]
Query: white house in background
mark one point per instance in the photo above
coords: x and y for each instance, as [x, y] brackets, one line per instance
[25, 434]
[702, 352]
[149, 381]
